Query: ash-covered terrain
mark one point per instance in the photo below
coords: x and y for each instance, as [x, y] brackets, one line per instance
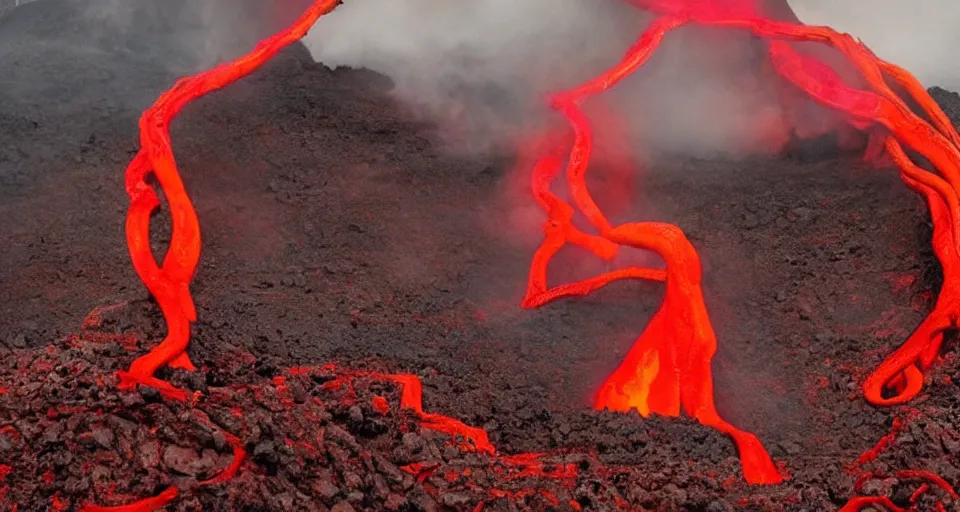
[337, 230]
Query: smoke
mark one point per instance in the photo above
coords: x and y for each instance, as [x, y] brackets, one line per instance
[482, 68]
[184, 35]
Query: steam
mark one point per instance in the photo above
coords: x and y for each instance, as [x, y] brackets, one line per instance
[483, 67]
[185, 35]
[487, 62]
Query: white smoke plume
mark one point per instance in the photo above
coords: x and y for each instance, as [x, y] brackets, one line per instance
[494, 58]
[196, 34]
[491, 62]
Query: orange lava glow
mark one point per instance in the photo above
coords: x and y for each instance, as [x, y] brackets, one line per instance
[668, 370]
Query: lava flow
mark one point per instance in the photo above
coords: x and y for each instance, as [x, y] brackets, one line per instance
[669, 365]
[668, 370]
[169, 282]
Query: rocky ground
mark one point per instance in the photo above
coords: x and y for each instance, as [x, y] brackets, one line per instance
[338, 231]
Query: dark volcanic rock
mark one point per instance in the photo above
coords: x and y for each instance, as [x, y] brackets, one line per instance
[949, 101]
[299, 456]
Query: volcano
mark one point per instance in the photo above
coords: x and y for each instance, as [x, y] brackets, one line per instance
[354, 320]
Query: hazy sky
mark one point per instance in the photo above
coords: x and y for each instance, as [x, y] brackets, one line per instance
[920, 35]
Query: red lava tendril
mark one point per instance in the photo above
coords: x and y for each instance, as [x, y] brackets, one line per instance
[169, 282]
[668, 370]
[146, 505]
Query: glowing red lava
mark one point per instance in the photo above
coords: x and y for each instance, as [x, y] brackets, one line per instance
[669, 365]
[169, 282]
[668, 369]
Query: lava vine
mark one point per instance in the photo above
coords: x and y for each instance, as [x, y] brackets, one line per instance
[669, 367]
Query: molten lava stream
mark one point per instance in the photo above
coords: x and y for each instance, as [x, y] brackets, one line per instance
[638, 383]
[669, 365]
[901, 372]
[169, 282]
[879, 109]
